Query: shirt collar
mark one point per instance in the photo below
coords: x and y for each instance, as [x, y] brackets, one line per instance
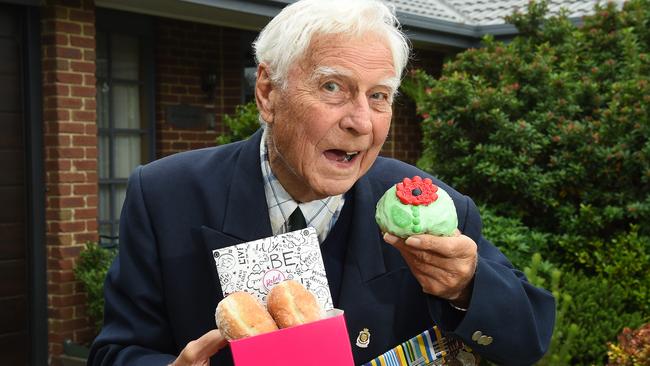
[321, 214]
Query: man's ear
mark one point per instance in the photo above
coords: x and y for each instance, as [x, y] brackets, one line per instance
[265, 93]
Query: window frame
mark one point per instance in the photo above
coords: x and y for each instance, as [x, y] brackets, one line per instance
[110, 22]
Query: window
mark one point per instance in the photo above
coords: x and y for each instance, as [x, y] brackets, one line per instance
[124, 120]
[249, 69]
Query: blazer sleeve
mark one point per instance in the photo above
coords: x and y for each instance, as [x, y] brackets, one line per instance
[136, 330]
[517, 316]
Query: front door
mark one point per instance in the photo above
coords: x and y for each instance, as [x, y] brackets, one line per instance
[14, 259]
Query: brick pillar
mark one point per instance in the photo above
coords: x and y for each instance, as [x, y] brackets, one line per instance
[404, 140]
[405, 137]
[70, 139]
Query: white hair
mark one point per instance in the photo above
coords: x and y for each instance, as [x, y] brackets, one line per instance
[286, 38]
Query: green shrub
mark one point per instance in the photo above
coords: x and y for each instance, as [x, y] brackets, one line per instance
[564, 340]
[553, 131]
[590, 313]
[624, 258]
[241, 125]
[553, 127]
[598, 307]
[513, 238]
[592, 306]
[91, 269]
[522, 246]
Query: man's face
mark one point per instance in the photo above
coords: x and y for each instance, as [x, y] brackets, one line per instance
[328, 125]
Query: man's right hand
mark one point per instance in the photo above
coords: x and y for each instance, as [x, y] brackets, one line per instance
[198, 352]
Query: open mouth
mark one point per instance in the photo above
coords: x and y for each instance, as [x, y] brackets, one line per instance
[340, 155]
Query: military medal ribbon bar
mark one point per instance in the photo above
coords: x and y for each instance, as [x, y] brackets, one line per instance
[428, 348]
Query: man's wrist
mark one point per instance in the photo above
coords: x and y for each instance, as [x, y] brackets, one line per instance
[461, 303]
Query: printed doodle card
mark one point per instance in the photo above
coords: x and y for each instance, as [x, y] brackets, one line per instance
[256, 266]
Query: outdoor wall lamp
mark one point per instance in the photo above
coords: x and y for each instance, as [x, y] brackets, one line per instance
[209, 84]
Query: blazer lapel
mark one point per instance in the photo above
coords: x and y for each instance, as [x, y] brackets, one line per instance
[247, 215]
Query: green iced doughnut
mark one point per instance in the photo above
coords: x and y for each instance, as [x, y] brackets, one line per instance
[416, 206]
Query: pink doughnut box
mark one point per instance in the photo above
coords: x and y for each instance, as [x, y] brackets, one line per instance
[321, 343]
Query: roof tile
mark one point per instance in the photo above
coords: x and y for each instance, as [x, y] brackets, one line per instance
[486, 12]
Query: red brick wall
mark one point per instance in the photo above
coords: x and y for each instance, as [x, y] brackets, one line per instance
[405, 135]
[185, 52]
[404, 140]
[70, 146]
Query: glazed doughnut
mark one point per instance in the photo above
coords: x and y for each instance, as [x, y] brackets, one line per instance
[241, 315]
[290, 304]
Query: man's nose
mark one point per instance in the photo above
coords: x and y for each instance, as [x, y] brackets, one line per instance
[358, 119]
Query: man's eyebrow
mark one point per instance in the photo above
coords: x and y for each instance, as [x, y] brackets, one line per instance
[329, 71]
[391, 83]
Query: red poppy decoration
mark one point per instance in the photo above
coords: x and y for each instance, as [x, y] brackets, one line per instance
[416, 191]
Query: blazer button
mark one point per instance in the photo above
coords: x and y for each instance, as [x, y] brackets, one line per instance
[477, 335]
[484, 340]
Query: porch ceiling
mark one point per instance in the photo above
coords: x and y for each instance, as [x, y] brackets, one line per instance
[228, 13]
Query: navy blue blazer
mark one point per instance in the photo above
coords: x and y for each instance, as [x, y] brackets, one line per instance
[162, 290]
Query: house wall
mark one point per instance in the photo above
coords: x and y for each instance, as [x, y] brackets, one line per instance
[185, 53]
[404, 140]
[70, 153]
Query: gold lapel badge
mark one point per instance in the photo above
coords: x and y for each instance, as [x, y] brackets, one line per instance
[364, 338]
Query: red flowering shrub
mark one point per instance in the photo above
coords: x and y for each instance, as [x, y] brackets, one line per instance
[633, 348]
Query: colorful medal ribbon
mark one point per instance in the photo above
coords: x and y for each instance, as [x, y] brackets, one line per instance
[427, 349]
[419, 350]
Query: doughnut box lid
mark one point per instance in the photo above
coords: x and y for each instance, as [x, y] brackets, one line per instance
[256, 266]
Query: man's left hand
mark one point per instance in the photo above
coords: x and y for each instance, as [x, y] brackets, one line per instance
[444, 266]
[199, 351]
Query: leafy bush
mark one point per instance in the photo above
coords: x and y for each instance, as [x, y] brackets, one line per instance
[598, 307]
[553, 131]
[522, 246]
[625, 259]
[554, 126]
[241, 125]
[518, 242]
[601, 301]
[633, 348]
[564, 338]
[91, 269]
[591, 309]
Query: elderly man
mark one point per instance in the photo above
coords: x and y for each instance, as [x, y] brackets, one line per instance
[327, 75]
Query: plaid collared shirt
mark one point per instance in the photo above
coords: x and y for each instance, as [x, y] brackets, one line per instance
[320, 214]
